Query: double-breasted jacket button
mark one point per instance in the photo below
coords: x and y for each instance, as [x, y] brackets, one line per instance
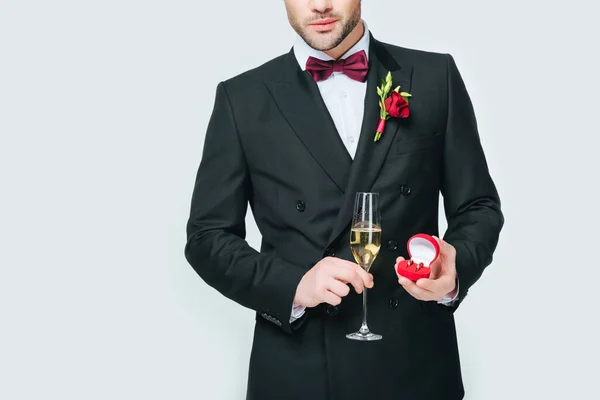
[393, 304]
[332, 310]
[392, 245]
[300, 205]
[330, 252]
[405, 190]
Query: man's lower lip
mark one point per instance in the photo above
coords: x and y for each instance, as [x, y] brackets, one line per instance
[324, 27]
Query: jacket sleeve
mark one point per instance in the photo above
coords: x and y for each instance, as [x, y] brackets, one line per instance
[216, 247]
[471, 201]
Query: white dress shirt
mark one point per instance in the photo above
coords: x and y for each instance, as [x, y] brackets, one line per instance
[344, 98]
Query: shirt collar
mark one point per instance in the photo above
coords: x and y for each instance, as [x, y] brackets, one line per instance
[302, 50]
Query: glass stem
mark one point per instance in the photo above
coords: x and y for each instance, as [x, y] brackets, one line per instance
[364, 328]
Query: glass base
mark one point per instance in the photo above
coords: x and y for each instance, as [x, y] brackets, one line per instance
[364, 336]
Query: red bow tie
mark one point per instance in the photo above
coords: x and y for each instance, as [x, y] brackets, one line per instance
[354, 67]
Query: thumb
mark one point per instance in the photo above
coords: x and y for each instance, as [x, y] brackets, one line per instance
[435, 269]
[436, 266]
[443, 246]
[398, 260]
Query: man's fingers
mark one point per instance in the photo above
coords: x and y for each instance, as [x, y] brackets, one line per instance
[431, 285]
[344, 263]
[351, 276]
[440, 286]
[446, 262]
[445, 247]
[338, 288]
[415, 291]
[435, 268]
[331, 298]
[399, 259]
[366, 277]
[348, 271]
[443, 244]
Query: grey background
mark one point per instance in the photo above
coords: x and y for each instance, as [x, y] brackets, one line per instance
[103, 109]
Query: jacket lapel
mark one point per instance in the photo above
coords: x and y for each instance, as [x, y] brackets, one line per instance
[370, 155]
[298, 98]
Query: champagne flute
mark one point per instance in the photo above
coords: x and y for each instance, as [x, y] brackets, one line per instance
[365, 241]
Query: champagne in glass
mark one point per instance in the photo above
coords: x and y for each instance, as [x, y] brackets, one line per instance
[365, 242]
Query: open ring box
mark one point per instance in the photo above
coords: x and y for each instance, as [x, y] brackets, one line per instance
[423, 250]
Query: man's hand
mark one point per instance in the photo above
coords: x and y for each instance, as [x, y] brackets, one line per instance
[327, 281]
[442, 280]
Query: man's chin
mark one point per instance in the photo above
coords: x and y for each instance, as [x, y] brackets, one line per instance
[322, 42]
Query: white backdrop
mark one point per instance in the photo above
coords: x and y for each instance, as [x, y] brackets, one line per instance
[103, 110]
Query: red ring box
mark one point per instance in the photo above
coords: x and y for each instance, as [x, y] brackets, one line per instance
[422, 248]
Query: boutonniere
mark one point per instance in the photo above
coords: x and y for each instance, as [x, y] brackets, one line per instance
[392, 103]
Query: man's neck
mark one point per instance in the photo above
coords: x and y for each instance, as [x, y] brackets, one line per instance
[348, 42]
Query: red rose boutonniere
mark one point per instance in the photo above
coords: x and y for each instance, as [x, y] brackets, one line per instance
[392, 103]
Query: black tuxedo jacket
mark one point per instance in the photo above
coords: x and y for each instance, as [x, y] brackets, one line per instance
[271, 143]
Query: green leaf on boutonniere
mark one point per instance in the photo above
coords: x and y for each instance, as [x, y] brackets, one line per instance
[388, 86]
[397, 90]
[388, 77]
[379, 91]
[405, 94]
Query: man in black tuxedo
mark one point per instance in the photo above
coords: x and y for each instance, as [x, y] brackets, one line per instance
[294, 138]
